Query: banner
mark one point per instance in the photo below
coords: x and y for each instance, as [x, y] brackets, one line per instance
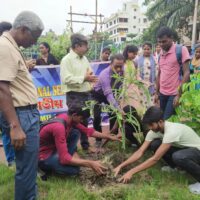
[51, 100]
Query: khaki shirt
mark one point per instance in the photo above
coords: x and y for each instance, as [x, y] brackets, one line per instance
[73, 69]
[14, 70]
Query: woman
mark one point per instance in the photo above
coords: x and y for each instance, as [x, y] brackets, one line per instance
[147, 69]
[46, 57]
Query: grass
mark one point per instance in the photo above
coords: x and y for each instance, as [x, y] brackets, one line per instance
[148, 185]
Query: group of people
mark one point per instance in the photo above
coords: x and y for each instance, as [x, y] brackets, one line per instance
[52, 146]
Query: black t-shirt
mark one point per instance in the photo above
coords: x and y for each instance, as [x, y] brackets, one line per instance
[51, 60]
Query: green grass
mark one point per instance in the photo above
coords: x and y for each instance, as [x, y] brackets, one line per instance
[151, 184]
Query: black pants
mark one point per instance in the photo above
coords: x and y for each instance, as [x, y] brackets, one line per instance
[79, 99]
[187, 159]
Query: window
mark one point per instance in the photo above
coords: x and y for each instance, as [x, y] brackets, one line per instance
[134, 26]
[145, 20]
[139, 20]
[139, 30]
[114, 39]
[106, 25]
[115, 31]
[123, 39]
[111, 32]
[110, 23]
[144, 29]
[134, 17]
[135, 10]
[122, 30]
[125, 20]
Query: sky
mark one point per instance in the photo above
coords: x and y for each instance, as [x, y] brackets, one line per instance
[54, 13]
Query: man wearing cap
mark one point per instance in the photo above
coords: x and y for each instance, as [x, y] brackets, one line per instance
[18, 101]
[77, 77]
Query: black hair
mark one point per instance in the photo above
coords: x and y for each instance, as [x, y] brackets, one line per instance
[129, 49]
[153, 114]
[79, 111]
[116, 57]
[165, 31]
[5, 26]
[78, 39]
[46, 45]
[147, 44]
[106, 49]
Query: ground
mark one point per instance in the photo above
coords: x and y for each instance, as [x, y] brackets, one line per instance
[148, 185]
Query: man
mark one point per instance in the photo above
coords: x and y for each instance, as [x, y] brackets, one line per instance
[77, 77]
[103, 90]
[18, 101]
[58, 144]
[162, 137]
[170, 78]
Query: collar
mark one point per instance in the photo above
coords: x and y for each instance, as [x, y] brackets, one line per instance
[8, 36]
[75, 55]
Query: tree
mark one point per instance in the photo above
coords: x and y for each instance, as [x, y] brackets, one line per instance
[172, 13]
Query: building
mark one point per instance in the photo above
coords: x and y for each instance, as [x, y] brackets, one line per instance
[129, 20]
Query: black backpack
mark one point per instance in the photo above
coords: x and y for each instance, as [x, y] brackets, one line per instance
[53, 120]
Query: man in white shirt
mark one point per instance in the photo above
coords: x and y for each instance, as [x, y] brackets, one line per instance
[176, 143]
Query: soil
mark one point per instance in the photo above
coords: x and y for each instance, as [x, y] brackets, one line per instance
[110, 160]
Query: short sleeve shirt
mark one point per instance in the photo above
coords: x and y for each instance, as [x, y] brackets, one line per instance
[14, 71]
[177, 134]
[170, 69]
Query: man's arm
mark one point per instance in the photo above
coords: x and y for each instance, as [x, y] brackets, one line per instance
[147, 164]
[18, 137]
[136, 156]
[185, 78]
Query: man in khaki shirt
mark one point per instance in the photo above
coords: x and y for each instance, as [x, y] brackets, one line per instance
[77, 77]
[18, 101]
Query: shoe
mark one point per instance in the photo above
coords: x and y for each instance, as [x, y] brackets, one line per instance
[11, 163]
[195, 188]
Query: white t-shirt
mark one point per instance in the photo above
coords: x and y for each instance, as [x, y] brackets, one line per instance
[176, 134]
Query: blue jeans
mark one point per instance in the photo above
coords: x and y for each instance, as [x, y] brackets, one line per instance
[166, 105]
[8, 148]
[52, 164]
[27, 157]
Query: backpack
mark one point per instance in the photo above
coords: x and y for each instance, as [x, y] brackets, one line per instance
[179, 59]
[53, 120]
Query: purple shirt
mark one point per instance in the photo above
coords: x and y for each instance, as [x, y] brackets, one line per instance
[104, 84]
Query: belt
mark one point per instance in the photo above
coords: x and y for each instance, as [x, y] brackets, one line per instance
[28, 107]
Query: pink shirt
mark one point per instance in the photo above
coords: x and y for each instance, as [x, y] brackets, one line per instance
[53, 138]
[169, 70]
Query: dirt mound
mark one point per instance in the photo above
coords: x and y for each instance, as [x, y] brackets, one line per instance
[110, 160]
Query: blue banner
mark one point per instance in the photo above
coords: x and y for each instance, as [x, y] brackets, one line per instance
[51, 100]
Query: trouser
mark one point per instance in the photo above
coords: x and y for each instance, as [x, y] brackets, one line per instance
[166, 105]
[52, 164]
[100, 98]
[187, 159]
[27, 157]
[79, 99]
[8, 148]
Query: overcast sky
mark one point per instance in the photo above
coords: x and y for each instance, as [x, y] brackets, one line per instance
[55, 12]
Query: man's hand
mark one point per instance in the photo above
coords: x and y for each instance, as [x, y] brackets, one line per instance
[126, 177]
[97, 167]
[114, 138]
[117, 170]
[90, 77]
[18, 137]
[31, 64]
[176, 100]
[156, 99]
